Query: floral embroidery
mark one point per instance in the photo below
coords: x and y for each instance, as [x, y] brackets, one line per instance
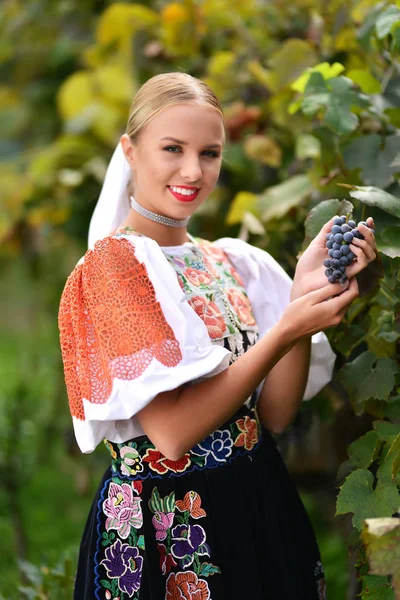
[241, 305]
[236, 276]
[167, 561]
[188, 541]
[186, 586]
[124, 563]
[159, 463]
[249, 432]
[191, 503]
[197, 277]
[131, 463]
[103, 339]
[212, 251]
[215, 448]
[122, 509]
[209, 312]
[161, 523]
[184, 544]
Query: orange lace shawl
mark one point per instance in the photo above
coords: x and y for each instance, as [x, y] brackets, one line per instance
[111, 324]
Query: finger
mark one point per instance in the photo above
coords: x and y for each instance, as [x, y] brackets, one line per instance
[366, 248]
[368, 235]
[326, 292]
[370, 222]
[343, 301]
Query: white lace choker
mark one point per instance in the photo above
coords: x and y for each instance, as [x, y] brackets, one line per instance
[148, 214]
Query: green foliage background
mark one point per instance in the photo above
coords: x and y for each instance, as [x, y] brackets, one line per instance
[311, 93]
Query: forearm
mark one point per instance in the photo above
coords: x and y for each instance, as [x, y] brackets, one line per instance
[284, 388]
[175, 422]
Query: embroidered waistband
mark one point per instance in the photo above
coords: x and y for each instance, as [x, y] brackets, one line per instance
[139, 459]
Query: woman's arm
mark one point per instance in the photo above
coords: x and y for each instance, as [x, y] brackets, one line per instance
[176, 421]
[284, 388]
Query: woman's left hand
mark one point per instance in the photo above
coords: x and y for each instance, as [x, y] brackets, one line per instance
[310, 270]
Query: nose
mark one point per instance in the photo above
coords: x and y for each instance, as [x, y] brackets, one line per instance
[191, 169]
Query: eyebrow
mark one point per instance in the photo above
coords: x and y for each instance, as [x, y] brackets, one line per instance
[181, 142]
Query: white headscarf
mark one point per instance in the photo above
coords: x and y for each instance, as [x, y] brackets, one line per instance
[113, 204]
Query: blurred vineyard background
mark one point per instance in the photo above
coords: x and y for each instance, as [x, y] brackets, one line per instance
[311, 93]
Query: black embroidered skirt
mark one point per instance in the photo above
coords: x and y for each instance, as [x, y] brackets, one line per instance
[224, 522]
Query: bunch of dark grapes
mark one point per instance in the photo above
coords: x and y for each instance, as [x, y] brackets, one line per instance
[338, 243]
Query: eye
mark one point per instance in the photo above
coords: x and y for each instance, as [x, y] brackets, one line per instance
[211, 153]
[172, 149]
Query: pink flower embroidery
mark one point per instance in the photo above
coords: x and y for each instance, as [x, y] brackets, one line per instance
[161, 523]
[212, 251]
[197, 277]
[211, 315]
[122, 509]
[241, 306]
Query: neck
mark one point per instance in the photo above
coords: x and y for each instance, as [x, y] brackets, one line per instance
[162, 234]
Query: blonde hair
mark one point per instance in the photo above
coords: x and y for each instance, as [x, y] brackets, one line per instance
[163, 91]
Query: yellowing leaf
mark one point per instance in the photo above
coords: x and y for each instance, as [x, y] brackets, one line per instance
[75, 94]
[287, 63]
[260, 74]
[114, 83]
[174, 13]
[220, 63]
[120, 21]
[277, 200]
[108, 121]
[366, 81]
[243, 202]
[327, 71]
[264, 149]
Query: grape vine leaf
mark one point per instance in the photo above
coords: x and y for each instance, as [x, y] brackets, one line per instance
[376, 587]
[382, 541]
[389, 241]
[365, 450]
[366, 153]
[323, 212]
[358, 496]
[373, 196]
[386, 431]
[368, 377]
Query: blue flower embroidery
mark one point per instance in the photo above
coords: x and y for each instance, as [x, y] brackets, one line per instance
[216, 448]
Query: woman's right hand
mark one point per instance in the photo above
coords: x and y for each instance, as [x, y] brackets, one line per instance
[318, 309]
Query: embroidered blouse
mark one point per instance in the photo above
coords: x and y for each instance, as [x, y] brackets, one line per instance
[137, 319]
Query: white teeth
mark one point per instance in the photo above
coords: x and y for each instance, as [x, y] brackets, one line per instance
[183, 191]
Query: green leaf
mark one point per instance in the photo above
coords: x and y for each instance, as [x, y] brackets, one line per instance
[395, 450]
[375, 158]
[376, 587]
[327, 71]
[365, 450]
[358, 496]
[382, 540]
[391, 241]
[105, 584]
[376, 197]
[208, 569]
[343, 97]
[169, 502]
[316, 95]
[386, 20]
[140, 542]
[277, 200]
[155, 502]
[307, 146]
[323, 212]
[386, 431]
[289, 61]
[368, 377]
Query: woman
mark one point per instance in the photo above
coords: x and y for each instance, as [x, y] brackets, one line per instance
[184, 355]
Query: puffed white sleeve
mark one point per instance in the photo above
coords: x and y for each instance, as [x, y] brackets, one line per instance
[268, 287]
[127, 333]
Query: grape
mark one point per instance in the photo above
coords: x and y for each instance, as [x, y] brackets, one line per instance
[348, 237]
[337, 244]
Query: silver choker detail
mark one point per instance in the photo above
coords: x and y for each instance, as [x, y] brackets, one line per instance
[157, 218]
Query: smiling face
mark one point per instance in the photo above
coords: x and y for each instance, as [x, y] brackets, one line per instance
[177, 159]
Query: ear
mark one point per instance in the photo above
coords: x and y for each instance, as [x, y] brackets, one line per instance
[128, 149]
